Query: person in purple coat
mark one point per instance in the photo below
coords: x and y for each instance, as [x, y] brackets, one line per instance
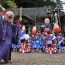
[6, 35]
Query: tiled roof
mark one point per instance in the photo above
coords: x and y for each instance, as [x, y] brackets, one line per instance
[31, 12]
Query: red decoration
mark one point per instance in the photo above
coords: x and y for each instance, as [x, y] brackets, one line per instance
[46, 30]
[26, 48]
[57, 30]
[42, 33]
[48, 35]
[3, 12]
[34, 32]
[19, 22]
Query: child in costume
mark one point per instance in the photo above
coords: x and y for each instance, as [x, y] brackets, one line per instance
[22, 41]
[49, 43]
[33, 38]
[43, 41]
[57, 30]
[60, 44]
[27, 47]
[33, 43]
[27, 43]
[47, 23]
[46, 31]
[54, 43]
[38, 42]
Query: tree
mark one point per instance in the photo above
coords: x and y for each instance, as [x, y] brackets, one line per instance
[26, 3]
[11, 4]
[34, 3]
[8, 4]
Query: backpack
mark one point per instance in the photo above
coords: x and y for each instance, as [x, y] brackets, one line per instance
[15, 34]
[2, 29]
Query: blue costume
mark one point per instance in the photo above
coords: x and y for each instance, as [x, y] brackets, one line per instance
[22, 38]
[49, 40]
[47, 25]
[38, 44]
[59, 43]
[33, 42]
[5, 42]
[43, 41]
[16, 35]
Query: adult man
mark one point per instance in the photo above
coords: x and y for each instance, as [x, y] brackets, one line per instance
[6, 35]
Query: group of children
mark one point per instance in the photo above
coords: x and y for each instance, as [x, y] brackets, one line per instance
[49, 41]
[46, 42]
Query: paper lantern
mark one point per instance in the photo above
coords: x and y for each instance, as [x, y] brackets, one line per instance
[46, 30]
[47, 20]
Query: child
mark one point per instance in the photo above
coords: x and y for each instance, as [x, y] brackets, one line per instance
[48, 43]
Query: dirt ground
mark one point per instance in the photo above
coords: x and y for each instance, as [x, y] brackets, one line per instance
[37, 59]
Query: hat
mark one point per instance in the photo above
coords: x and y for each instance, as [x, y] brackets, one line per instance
[47, 20]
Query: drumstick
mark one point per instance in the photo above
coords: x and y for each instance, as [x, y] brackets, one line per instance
[21, 12]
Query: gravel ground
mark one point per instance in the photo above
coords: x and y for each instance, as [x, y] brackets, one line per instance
[37, 59]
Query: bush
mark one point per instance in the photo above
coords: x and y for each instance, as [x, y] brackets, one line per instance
[8, 4]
